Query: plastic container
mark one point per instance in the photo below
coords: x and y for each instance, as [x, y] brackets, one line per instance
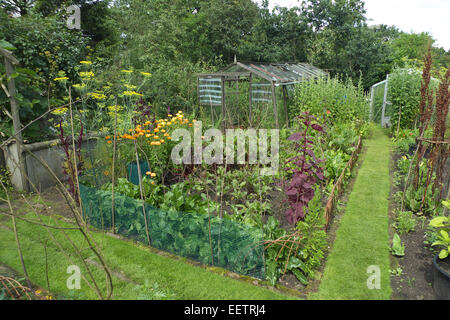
[441, 284]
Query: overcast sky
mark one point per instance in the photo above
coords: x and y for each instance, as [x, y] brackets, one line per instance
[432, 16]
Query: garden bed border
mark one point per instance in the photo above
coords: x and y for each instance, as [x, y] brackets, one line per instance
[337, 190]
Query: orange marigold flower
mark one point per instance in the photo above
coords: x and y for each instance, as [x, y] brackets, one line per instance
[108, 137]
[148, 173]
[153, 174]
[109, 141]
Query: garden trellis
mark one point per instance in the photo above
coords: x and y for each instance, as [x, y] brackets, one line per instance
[262, 80]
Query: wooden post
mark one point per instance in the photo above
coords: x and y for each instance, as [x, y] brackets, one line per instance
[9, 61]
[274, 101]
[250, 81]
[285, 106]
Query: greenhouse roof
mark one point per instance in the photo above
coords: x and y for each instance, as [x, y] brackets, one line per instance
[279, 73]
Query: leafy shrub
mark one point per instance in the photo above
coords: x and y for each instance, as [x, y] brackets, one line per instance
[405, 139]
[404, 222]
[46, 49]
[342, 101]
[334, 164]
[404, 93]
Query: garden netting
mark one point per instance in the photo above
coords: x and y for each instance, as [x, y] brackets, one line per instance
[208, 239]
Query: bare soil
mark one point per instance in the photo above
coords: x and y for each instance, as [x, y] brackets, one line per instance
[414, 277]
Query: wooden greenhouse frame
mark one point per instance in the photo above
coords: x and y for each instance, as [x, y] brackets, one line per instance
[211, 89]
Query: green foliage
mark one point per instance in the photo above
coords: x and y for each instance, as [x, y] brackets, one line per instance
[404, 94]
[416, 199]
[340, 100]
[404, 222]
[314, 237]
[334, 164]
[5, 184]
[195, 235]
[442, 232]
[405, 139]
[308, 249]
[397, 248]
[46, 49]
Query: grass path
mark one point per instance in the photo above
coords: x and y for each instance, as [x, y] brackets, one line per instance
[362, 238]
[138, 272]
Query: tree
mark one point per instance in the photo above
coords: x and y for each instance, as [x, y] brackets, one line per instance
[332, 23]
[20, 7]
[277, 36]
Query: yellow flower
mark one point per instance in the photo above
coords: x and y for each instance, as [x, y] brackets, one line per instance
[146, 74]
[131, 93]
[98, 96]
[162, 140]
[87, 74]
[61, 79]
[115, 108]
[79, 86]
[127, 71]
[148, 173]
[156, 137]
[153, 174]
[59, 111]
[85, 62]
[38, 292]
[130, 87]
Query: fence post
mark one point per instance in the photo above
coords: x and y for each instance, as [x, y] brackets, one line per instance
[384, 100]
[10, 60]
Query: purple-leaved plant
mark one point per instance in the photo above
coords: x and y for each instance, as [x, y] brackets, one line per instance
[306, 170]
[70, 174]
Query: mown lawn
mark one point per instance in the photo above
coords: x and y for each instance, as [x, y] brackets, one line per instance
[138, 272]
[362, 238]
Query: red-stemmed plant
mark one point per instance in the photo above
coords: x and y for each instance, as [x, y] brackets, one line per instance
[306, 170]
[69, 169]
